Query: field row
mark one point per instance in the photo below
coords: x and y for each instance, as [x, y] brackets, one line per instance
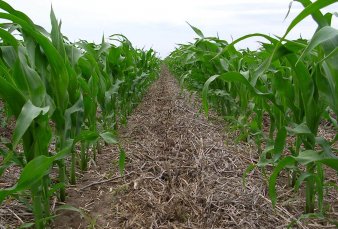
[279, 96]
[64, 97]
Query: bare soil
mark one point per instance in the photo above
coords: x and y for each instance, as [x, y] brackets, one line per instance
[182, 171]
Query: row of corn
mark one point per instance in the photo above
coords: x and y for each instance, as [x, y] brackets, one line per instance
[277, 95]
[65, 98]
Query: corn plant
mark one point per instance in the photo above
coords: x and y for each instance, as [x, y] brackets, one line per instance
[59, 93]
[292, 83]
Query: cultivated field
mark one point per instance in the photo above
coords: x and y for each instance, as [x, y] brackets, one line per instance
[110, 136]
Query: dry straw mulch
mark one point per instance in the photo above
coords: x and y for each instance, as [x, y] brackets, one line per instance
[182, 171]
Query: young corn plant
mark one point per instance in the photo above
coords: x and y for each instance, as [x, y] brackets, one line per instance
[291, 84]
[32, 108]
[57, 92]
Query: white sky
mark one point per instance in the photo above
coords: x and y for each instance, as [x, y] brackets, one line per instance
[162, 24]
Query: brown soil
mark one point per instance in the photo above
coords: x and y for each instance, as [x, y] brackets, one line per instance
[6, 126]
[182, 171]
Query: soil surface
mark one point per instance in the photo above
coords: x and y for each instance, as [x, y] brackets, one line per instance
[182, 171]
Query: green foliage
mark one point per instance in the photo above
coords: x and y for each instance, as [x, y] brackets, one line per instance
[63, 93]
[291, 86]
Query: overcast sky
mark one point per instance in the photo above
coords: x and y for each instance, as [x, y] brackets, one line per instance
[162, 24]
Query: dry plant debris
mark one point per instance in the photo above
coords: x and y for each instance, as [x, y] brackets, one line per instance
[182, 171]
